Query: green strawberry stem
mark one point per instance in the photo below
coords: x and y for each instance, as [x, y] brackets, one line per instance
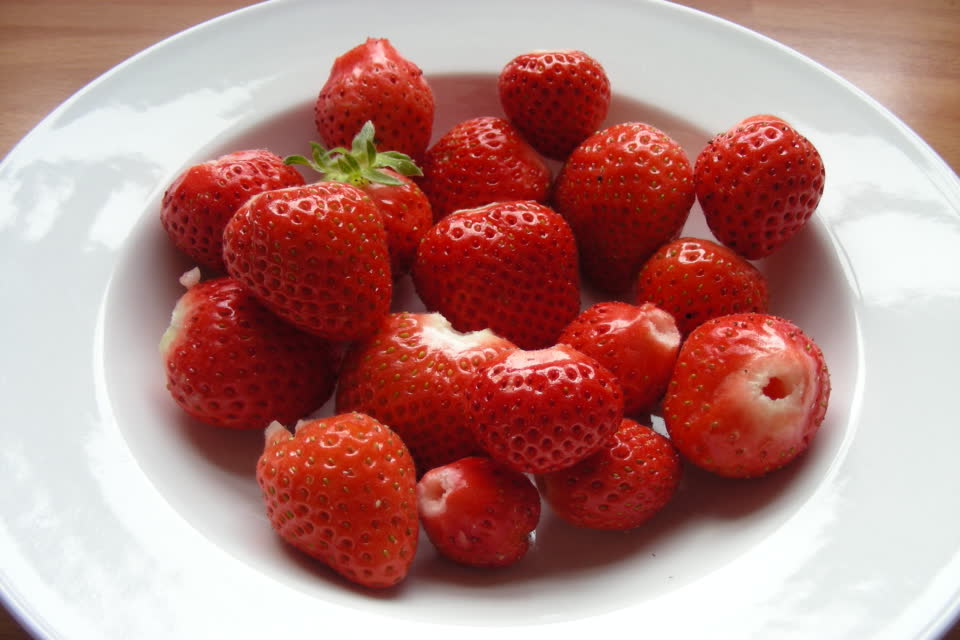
[361, 164]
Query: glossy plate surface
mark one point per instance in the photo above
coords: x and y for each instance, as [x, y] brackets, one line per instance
[122, 519]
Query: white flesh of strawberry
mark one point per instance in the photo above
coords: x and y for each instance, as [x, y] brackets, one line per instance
[176, 323]
[439, 333]
[662, 327]
[433, 489]
[774, 395]
[275, 432]
[190, 278]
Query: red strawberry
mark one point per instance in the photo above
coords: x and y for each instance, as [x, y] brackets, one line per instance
[382, 176]
[343, 491]
[510, 267]
[748, 394]
[374, 82]
[411, 375]
[625, 191]
[697, 280]
[198, 204]
[555, 98]
[481, 161]
[621, 486]
[231, 363]
[638, 344]
[478, 512]
[540, 411]
[758, 184]
[316, 256]
[407, 217]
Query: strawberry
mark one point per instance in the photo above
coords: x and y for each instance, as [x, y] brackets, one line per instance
[407, 217]
[696, 280]
[478, 512]
[638, 344]
[374, 82]
[540, 411]
[555, 98]
[197, 205]
[231, 363]
[382, 176]
[631, 479]
[316, 256]
[625, 190]
[510, 266]
[410, 375]
[747, 396]
[343, 491]
[480, 161]
[758, 184]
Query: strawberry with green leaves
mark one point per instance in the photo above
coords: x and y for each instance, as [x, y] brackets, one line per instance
[696, 280]
[625, 191]
[480, 161]
[544, 410]
[631, 479]
[478, 512]
[510, 267]
[197, 205]
[385, 177]
[373, 82]
[556, 99]
[758, 184]
[748, 395]
[232, 363]
[343, 490]
[316, 256]
[411, 374]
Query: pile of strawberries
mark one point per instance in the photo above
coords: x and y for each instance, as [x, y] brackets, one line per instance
[508, 393]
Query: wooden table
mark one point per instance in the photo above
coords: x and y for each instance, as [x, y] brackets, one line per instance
[904, 54]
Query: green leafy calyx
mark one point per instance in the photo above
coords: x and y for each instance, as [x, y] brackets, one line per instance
[361, 164]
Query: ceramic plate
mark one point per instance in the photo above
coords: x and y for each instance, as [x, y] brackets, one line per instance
[122, 519]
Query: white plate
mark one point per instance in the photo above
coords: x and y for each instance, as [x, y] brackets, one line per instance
[121, 519]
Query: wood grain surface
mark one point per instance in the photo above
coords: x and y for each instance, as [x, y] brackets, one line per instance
[903, 54]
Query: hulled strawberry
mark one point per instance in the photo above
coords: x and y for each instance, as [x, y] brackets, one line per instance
[411, 375]
[316, 256]
[478, 512]
[232, 363]
[625, 191]
[480, 161]
[758, 184]
[556, 99]
[638, 344]
[631, 479]
[384, 177]
[541, 411]
[510, 267]
[747, 396]
[374, 82]
[696, 280]
[197, 205]
[343, 491]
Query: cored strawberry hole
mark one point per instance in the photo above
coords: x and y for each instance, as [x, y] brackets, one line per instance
[207, 477]
[432, 491]
[776, 389]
